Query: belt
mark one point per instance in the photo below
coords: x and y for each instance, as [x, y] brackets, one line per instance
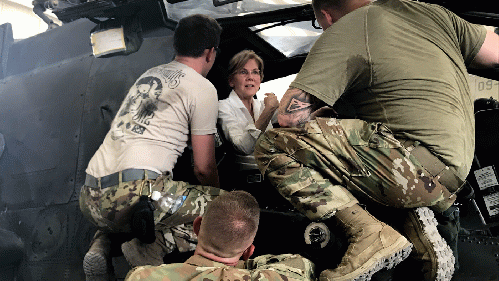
[446, 175]
[114, 179]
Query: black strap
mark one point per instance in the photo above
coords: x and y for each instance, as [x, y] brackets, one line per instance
[143, 220]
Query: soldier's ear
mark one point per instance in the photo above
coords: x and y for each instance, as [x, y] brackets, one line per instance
[197, 224]
[248, 252]
[329, 17]
[210, 54]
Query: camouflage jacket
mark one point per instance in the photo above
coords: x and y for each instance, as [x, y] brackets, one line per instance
[263, 268]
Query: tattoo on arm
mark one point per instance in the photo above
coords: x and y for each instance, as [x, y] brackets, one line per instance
[296, 104]
[295, 100]
[295, 107]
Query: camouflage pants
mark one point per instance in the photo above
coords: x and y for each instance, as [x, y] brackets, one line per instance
[181, 237]
[110, 208]
[330, 163]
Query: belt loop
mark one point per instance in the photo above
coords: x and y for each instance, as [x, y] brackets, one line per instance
[442, 172]
[148, 182]
[410, 145]
[99, 185]
[120, 177]
[142, 184]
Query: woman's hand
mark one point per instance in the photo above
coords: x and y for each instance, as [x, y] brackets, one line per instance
[270, 101]
[271, 104]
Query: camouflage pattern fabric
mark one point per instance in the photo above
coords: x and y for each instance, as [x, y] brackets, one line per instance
[197, 268]
[109, 208]
[181, 237]
[324, 166]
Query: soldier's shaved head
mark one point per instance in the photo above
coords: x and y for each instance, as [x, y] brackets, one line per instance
[230, 224]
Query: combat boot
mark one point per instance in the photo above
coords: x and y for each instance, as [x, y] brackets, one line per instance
[97, 263]
[430, 249]
[449, 227]
[139, 254]
[373, 245]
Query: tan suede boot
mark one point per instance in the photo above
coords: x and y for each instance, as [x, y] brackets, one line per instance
[373, 246]
[97, 263]
[139, 254]
[420, 227]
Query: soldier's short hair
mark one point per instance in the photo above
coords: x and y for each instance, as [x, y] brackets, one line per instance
[196, 33]
[230, 221]
[240, 59]
[327, 4]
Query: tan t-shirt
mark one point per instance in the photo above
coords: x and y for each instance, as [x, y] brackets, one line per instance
[152, 128]
[402, 63]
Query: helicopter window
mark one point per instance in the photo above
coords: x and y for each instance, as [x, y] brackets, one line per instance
[290, 39]
[276, 86]
[227, 8]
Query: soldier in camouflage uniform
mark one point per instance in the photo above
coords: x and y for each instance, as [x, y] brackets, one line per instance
[225, 236]
[411, 143]
[111, 210]
[168, 107]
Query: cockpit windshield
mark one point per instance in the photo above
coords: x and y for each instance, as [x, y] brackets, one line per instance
[290, 39]
[222, 9]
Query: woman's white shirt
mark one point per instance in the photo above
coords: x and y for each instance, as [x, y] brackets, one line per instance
[237, 124]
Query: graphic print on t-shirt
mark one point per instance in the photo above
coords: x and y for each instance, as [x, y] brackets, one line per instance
[141, 103]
